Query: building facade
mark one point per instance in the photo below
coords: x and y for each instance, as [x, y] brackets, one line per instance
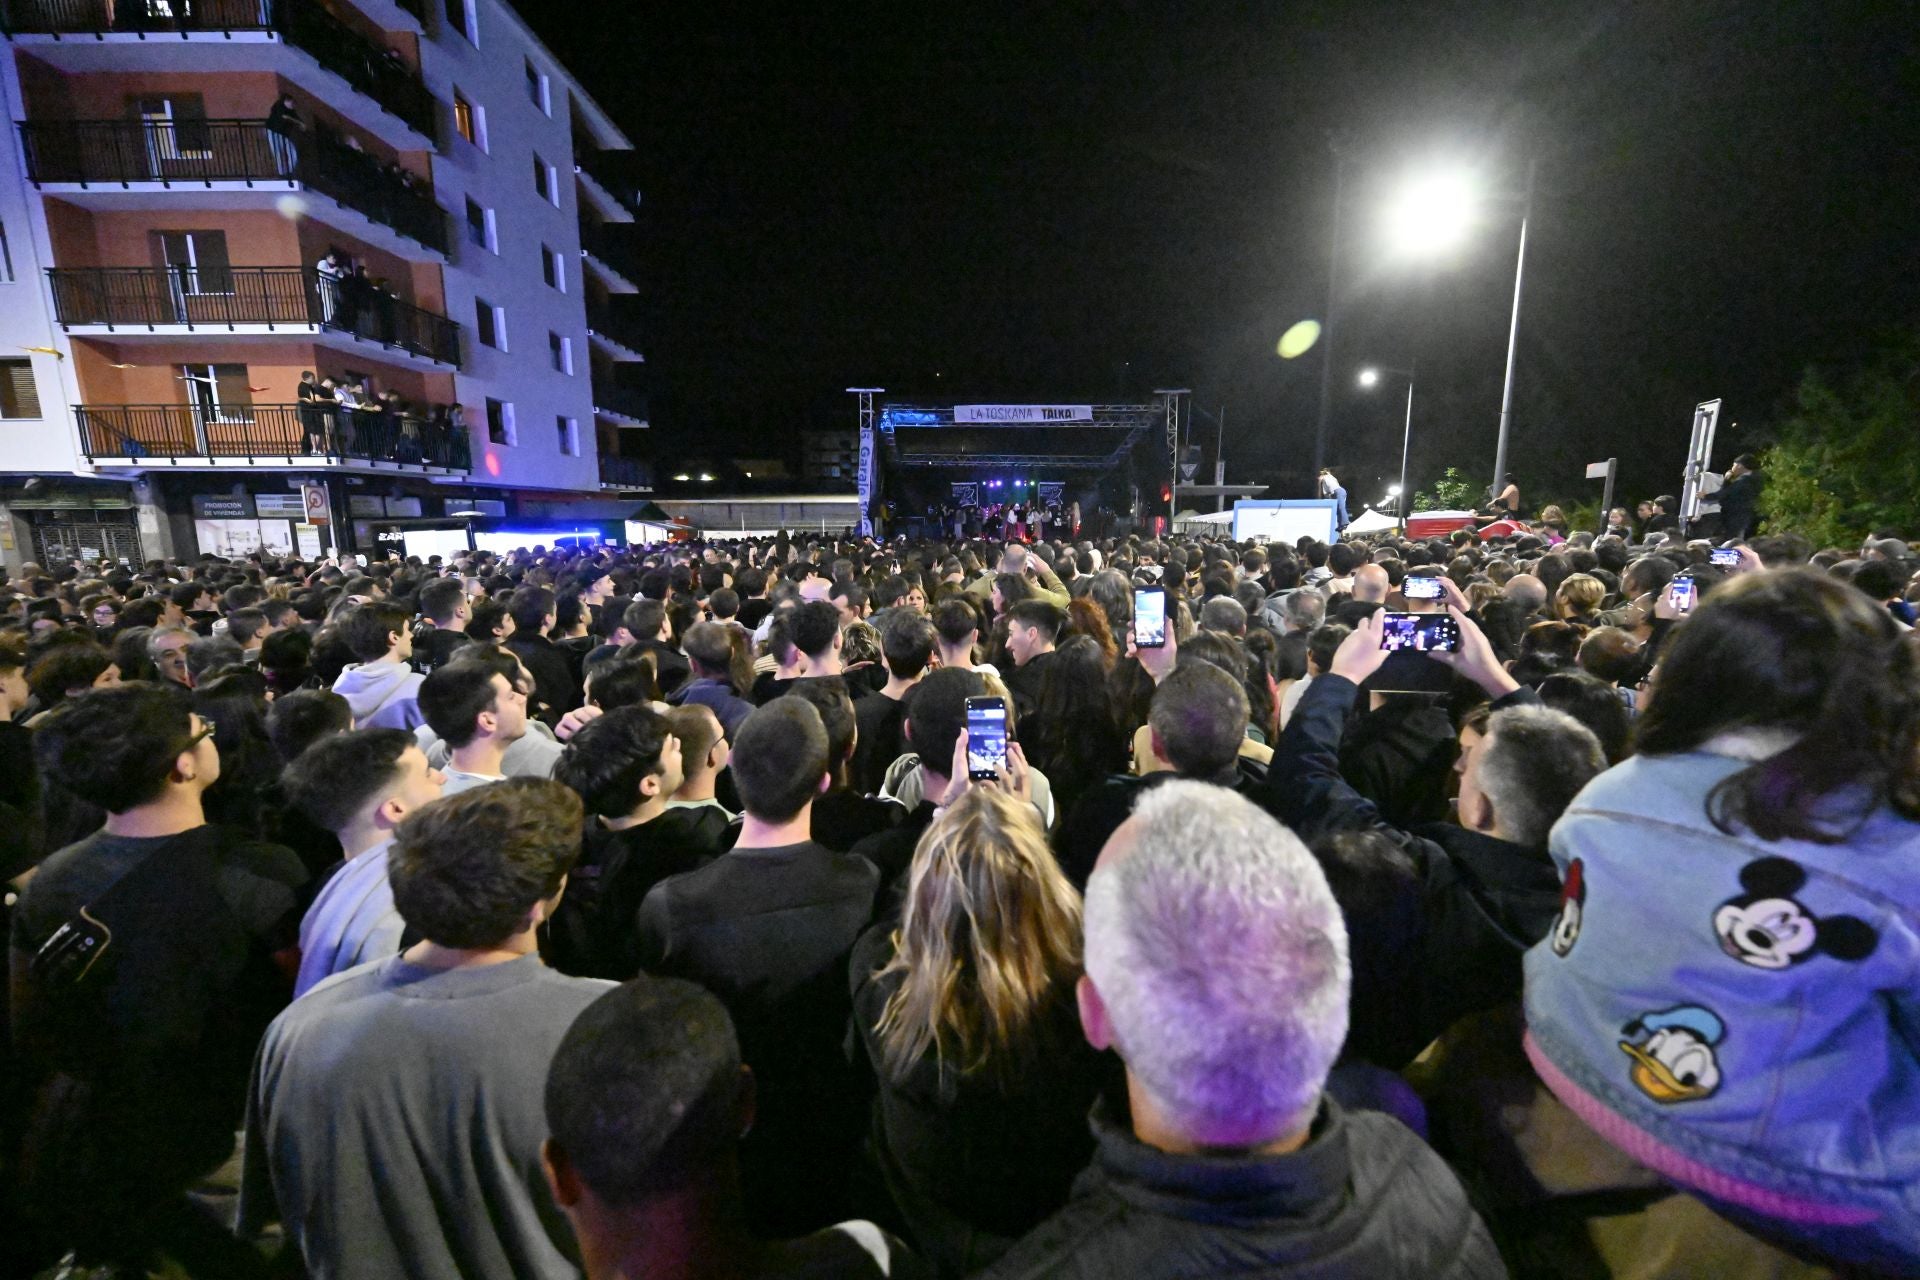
[287, 274]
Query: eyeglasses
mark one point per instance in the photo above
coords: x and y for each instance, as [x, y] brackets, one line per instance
[207, 729]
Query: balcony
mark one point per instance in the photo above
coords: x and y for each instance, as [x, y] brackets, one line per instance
[614, 196]
[610, 254]
[253, 301]
[225, 35]
[227, 163]
[620, 405]
[186, 435]
[625, 473]
[618, 337]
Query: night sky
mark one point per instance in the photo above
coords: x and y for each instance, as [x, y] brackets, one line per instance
[1083, 202]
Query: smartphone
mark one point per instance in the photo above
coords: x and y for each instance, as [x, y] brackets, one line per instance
[1419, 633]
[1684, 592]
[1727, 556]
[986, 737]
[1423, 588]
[1150, 617]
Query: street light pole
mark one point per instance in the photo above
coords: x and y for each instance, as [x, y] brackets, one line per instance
[1326, 325]
[1406, 446]
[1513, 337]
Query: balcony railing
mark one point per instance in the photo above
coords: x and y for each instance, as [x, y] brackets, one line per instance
[123, 152]
[208, 297]
[621, 400]
[608, 244]
[379, 73]
[609, 173]
[607, 323]
[633, 473]
[270, 431]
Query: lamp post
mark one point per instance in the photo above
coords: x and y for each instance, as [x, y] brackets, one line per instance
[1369, 378]
[1433, 214]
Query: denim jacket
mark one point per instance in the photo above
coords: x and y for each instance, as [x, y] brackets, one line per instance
[1721, 1003]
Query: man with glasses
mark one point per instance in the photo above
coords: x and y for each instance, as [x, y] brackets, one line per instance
[147, 960]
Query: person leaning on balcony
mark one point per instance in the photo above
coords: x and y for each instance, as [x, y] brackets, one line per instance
[329, 272]
[285, 127]
[315, 399]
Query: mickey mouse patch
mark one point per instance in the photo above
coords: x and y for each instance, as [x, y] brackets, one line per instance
[1573, 906]
[1764, 927]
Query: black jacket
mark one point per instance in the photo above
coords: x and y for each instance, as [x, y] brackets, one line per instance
[1363, 1198]
[1106, 804]
[768, 931]
[1434, 939]
[553, 683]
[594, 932]
[1024, 682]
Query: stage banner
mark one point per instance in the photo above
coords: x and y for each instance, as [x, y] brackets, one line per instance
[967, 494]
[999, 414]
[1051, 492]
[866, 481]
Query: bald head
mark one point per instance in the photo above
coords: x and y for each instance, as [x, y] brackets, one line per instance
[1527, 591]
[1370, 584]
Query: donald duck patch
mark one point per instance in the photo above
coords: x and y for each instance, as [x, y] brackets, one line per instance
[1675, 1062]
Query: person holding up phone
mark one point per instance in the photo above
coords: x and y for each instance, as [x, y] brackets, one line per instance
[1482, 891]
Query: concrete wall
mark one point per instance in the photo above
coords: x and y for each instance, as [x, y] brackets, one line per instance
[492, 77]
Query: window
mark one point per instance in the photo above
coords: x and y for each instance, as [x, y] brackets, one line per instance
[569, 436]
[490, 323]
[481, 229]
[195, 261]
[461, 17]
[470, 121]
[6, 257]
[562, 351]
[500, 422]
[553, 268]
[546, 181]
[218, 392]
[19, 398]
[538, 90]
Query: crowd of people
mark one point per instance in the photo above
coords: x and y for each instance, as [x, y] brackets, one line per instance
[645, 912]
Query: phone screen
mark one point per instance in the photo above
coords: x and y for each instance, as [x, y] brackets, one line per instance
[1419, 633]
[1150, 617]
[1424, 588]
[986, 736]
[1728, 556]
[1683, 593]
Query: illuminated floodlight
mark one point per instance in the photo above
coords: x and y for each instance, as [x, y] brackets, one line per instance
[1393, 491]
[1433, 213]
[705, 478]
[683, 476]
[1369, 377]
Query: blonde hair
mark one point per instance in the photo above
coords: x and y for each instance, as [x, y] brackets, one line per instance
[990, 934]
[1580, 594]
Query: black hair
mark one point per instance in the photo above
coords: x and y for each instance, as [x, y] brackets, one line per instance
[332, 780]
[605, 762]
[299, 719]
[828, 695]
[642, 1095]
[907, 643]
[116, 747]
[65, 667]
[530, 607]
[440, 599]
[366, 627]
[453, 696]
[779, 757]
[936, 712]
[624, 681]
[813, 625]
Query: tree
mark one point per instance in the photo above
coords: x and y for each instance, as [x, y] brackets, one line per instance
[1846, 460]
[1451, 492]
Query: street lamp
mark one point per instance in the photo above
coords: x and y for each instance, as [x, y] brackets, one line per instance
[1370, 377]
[1432, 214]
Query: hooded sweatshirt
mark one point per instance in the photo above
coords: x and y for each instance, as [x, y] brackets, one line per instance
[382, 695]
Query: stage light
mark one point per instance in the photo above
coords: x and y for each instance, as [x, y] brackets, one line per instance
[683, 476]
[705, 478]
[1369, 377]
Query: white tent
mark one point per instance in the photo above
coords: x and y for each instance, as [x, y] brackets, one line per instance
[1371, 521]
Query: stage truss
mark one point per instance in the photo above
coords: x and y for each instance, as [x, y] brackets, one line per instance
[917, 435]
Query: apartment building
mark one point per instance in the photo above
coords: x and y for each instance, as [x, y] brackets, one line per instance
[297, 274]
